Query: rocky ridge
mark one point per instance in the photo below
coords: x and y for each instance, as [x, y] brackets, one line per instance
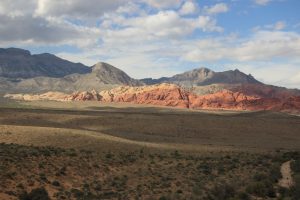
[172, 95]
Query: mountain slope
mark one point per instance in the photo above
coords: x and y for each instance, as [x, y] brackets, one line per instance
[19, 63]
[102, 76]
[205, 76]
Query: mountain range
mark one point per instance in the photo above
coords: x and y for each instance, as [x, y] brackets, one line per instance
[205, 76]
[22, 72]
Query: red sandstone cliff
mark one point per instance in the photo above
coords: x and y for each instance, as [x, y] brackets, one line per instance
[175, 96]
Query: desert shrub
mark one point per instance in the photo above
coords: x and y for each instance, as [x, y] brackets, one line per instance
[296, 166]
[284, 192]
[243, 196]
[295, 190]
[261, 189]
[55, 183]
[176, 154]
[275, 173]
[204, 168]
[260, 176]
[77, 193]
[163, 198]
[109, 155]
[222, 192]
[43, 177]
[63, 170]
[35, 194]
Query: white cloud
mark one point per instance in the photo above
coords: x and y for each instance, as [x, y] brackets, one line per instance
[279, 25]
[17, 7]
[76, 8]
[208, 24]
[262, 46]
[37, 30]
[160, 4]
[188, 8]
[262, 2]
[216, 9]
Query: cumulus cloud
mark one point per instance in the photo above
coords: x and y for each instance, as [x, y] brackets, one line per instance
[160, 4]
[279, 25]
[188, 8]
[76, 8]
[17, 7]
[262, 2]
[216, 9]
[208, 24]
[262, 46]
[37, 30]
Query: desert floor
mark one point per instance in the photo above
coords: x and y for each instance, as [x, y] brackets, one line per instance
[88, 150]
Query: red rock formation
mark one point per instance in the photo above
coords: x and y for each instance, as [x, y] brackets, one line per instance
[163, 94]
[221, 100]
[173, 95]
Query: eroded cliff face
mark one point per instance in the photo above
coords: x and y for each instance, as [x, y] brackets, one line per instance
[172, 95]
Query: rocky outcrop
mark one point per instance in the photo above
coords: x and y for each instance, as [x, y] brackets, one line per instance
[85, 96]
[175, 96]
[224, 99]
[163, 94]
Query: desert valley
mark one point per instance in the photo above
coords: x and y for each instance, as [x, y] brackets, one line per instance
[96, 133]
[149, 100]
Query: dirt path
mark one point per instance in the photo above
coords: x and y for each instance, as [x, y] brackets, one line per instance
[286, 181]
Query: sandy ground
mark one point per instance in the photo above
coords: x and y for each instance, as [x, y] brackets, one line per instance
[287, 180]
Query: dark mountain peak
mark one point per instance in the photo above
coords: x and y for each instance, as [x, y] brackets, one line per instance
[19, 63]
[14, 52]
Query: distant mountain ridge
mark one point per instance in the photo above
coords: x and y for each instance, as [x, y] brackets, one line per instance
[205, 76]
[22, 72]
[19, 63]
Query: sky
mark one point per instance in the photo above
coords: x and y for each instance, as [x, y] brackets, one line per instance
[155, 38]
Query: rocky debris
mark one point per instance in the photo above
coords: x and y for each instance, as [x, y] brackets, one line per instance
[166, 94]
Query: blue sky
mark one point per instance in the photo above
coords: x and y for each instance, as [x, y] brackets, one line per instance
[154, 38]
